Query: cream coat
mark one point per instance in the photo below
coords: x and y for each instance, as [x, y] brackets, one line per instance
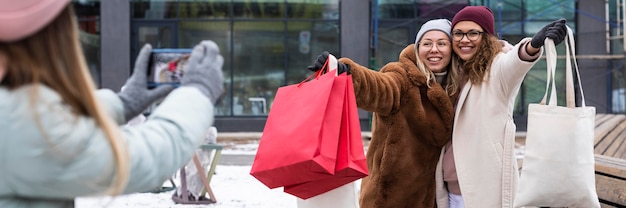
[484, 136]
[74, 158]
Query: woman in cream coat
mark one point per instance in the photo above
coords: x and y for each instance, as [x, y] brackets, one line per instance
[477, 168]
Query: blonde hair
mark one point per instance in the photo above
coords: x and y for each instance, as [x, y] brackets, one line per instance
[479, 65]
[53, 57]
[451, 83]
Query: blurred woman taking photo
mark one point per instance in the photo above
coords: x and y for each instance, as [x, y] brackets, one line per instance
[62, 139]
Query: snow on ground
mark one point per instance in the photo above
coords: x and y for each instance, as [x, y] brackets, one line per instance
[233, 187]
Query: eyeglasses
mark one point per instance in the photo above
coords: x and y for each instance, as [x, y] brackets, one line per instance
[472, 35]
[429, 44]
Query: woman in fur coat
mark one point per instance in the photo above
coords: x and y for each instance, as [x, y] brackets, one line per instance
[412, 104]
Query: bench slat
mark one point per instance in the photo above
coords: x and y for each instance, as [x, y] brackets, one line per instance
[604, 133]
[611, 180]
[601, 118]
[611, 189]
[610, 159]
[614, 141]
[605, 119]
[610, 166]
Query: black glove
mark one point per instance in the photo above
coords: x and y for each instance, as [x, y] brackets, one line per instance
[321, 59]
[557, 31]
[135, 94]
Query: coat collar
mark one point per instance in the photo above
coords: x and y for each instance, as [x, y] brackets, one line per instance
[408, 58]
[464, 92]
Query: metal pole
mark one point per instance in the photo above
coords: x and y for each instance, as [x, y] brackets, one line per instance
[623, 23]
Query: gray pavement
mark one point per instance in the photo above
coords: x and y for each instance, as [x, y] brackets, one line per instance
[236, 160]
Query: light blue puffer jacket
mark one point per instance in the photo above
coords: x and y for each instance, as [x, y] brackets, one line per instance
[71, 157]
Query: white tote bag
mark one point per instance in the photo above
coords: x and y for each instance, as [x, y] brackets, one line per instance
[558, 166]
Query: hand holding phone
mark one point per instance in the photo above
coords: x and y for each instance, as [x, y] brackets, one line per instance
[167, 66]
[135, 94]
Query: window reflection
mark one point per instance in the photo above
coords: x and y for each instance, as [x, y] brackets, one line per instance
[260, 49]
[265, 44]
[192, 32]
[159, 9]
[88, 15]
[206, 9]
[306, 40]
[523, 19]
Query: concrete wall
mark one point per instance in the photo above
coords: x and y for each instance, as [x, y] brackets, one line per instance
[355, 32]
[115, 43]
[591, 41]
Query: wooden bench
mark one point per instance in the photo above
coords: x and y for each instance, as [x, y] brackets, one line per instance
[610, 159]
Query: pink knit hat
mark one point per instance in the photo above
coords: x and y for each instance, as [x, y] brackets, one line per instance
[481, 15]
[23, 18]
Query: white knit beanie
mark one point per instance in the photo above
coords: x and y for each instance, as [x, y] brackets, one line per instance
[443, 25]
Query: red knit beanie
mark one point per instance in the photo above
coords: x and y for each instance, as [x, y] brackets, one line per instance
[481, 15]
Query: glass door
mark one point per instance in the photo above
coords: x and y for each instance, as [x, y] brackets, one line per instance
[158, 34]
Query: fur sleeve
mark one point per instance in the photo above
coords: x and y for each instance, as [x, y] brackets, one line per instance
[378, 91]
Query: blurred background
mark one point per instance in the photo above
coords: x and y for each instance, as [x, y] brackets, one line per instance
[269, 43]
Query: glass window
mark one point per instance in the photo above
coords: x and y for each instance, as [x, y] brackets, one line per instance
[618, 80]
[154, 9]
[391, 41]
[192, 32]
[306, 9]
[518, 19]
[396, 9]
[305, 41]
[204, 9]
[265, 44]
[432, 9]
[258, 9]
[399, 21]
[88, 15]
[157, 35]
[259, 48]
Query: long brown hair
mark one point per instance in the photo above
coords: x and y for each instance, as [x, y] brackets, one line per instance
[478, 66]
[53, 57]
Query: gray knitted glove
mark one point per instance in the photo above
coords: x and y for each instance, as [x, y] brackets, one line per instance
[204, 70]
[135, 94]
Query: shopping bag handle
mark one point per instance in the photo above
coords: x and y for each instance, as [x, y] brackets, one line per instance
[551, 58]
[329, 65]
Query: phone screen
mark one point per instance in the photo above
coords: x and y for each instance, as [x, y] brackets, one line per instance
[167, 66]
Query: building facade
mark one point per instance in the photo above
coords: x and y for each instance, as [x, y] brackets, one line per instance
[268, 44]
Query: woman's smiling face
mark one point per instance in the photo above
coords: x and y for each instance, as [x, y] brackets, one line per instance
[464, 45]
[434, 50]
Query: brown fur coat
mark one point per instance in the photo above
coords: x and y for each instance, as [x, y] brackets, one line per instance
[411, 124]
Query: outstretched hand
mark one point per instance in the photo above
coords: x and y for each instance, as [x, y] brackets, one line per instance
[557, 31]
[318, 64]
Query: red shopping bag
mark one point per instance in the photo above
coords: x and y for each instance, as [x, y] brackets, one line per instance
[351, 163]
[300, 137]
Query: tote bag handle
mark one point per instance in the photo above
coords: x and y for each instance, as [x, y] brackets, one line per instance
[551, 58]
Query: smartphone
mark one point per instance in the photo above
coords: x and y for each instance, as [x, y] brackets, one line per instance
[166, 66]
